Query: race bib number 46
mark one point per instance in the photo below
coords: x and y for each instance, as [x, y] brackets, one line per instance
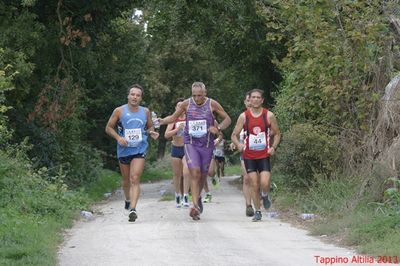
[133, 136]
[257, 142]
[197, 128]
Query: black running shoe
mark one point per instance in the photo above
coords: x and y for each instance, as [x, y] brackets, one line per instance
[249, 211]
[257, 216]
[132, 215]
[266, 201]
[127, 205]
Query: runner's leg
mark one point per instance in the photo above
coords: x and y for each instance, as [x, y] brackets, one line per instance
[136, 170]
[124, 168]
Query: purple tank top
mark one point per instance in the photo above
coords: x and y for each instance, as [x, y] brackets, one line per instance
[198, 119]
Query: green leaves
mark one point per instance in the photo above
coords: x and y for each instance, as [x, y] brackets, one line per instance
[333, 50]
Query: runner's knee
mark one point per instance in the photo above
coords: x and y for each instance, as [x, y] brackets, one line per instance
[134, 179]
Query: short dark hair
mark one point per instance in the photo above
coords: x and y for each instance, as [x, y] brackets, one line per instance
[136, 86]
[257, 90]
[178, 100]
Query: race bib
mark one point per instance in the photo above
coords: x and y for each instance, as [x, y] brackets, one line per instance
[180, 131]
[133, 136]
[257, 142]
[218, 152]
[197, 128]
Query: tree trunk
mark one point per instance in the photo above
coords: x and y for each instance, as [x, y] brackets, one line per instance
[162, 143]
[395, 25]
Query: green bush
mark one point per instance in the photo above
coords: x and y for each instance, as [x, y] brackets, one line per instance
[83, 165]
[307, 153]
[36, 205]
[329, 197]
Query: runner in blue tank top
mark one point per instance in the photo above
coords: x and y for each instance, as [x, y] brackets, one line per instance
[199, 135]
[133, 125]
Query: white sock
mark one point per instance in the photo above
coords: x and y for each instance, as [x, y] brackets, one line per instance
[264, 194]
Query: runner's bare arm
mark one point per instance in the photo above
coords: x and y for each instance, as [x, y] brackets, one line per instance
[275, 130]
[179, 111]
[112, 123]
[219, 134]
[236, 131]
[216, 107]
[170, 132]
[150, 128]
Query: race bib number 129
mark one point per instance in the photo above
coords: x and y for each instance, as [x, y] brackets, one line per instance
[133, 136]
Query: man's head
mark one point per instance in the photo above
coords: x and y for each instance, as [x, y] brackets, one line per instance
[178, 102]
[135, 94]
[199, 92]
[256, 98]
[246, 101]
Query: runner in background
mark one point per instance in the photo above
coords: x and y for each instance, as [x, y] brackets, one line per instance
[179, 165]
[259, 125]
[219, 157]
[246, 180]
[211, 173]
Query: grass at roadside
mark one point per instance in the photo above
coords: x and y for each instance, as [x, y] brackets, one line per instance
[108, 182]
[232, 169]
[362, 226]
[158, 170]
[343, 216]
[35, 211]
[35, 208]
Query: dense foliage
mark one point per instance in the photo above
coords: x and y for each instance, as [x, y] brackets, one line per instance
[66, 64]
[323, 63]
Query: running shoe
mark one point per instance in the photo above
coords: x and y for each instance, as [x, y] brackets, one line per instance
[207, 198]
[215, 182]
[257, 216]
[127, 205]
[132, 215]
[178, 201]
[266, 201]
[185, 201]
[200, 204]
[249, 211]
[195, 213]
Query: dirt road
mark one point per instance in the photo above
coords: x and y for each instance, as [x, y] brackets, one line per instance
[165, 235]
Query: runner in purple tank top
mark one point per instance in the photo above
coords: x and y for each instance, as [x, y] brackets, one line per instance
[199, 136]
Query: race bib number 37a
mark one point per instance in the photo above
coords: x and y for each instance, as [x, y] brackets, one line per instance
[197, 128]
[133, 136]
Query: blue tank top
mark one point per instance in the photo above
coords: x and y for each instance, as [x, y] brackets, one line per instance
[199, 118]
[131, 126]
